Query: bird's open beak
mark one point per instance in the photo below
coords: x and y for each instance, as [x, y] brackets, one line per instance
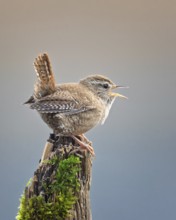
[118, 94]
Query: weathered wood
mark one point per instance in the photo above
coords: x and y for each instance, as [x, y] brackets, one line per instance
[62, 148]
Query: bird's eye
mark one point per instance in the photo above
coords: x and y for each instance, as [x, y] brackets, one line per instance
[106, 85]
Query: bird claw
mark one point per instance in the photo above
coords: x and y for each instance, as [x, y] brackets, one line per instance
[83, 145]
[84, 139]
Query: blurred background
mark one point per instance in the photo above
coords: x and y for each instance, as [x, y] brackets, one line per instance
[131, 42]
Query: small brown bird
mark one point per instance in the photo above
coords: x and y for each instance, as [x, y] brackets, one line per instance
[71, 109]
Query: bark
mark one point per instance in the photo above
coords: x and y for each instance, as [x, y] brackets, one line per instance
[63, 148]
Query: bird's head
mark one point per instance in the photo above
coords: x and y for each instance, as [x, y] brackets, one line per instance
[102, 86]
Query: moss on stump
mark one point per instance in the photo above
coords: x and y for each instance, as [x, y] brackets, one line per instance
[60, 186]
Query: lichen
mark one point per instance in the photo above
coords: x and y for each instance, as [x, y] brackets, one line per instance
[60, 193]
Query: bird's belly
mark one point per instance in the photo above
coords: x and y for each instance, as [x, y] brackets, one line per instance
[75, 124]
[79, 124]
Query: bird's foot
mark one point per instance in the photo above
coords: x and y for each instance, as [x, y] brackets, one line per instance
[83, 145]
[84, 139]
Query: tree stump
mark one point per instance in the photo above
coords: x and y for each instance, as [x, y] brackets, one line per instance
[60, 187]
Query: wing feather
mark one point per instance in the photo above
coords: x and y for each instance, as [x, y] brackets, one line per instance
[62, 102]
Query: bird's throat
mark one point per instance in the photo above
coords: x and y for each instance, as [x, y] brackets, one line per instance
[107, 109]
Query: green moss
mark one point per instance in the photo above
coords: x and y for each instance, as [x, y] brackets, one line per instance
[61, 193]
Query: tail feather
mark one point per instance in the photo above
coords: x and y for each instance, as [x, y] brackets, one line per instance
[45, 84]
[31, 100]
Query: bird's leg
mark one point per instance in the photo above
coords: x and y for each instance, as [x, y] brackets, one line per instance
[83, 138]
[84, 145]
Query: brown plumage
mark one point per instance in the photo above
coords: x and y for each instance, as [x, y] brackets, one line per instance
[45, 84]
[71, 109]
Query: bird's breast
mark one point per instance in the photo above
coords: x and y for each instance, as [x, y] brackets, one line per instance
[106, 111]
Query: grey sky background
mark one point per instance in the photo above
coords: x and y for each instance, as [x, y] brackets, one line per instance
[131, 42]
